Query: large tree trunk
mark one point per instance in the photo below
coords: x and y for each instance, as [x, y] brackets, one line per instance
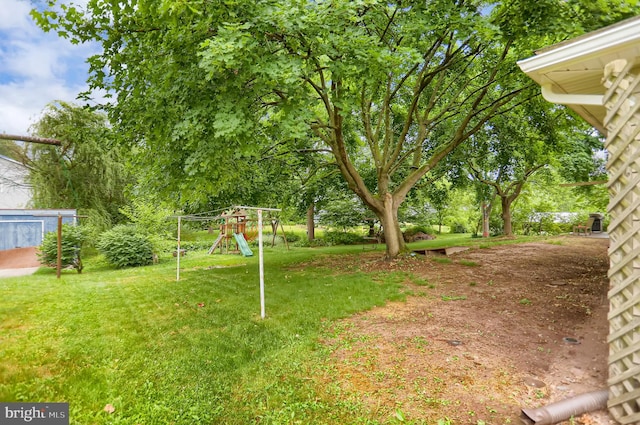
[506, 215]
[486, 215]
[311, 228]
[392, 234]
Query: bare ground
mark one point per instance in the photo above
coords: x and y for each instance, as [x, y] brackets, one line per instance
[485, 333]
[19, 258]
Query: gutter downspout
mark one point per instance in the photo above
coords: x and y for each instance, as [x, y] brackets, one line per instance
[565, 409]
[570, 99]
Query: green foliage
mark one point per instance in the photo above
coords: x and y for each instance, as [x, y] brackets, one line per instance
[343, 211]
[10, 149]
[342, 238]
[86, 173]
[126, 246]
[152, 217]
[458, 227]
[203, 91]
[502, 166]
[73, 237]
[413, 230]
[306, 243]
[292, 237]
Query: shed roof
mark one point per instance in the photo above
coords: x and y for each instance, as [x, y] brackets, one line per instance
[571, 72]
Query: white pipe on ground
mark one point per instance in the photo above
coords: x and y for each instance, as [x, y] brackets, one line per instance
[565, 409]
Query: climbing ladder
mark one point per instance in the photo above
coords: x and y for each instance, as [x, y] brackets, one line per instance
[216, 243]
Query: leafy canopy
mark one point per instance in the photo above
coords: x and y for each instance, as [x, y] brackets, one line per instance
[203, 88]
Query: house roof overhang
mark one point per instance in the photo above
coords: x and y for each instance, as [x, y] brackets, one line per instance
[571, 72]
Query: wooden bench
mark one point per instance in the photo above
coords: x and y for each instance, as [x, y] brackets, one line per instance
[583, 229]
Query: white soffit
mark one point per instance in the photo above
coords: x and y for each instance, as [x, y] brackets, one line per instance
[575, 68]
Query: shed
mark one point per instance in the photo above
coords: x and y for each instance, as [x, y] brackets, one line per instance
[25, 228]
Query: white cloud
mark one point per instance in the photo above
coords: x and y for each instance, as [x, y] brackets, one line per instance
[21, 104]
[36, 68]
[14, 15]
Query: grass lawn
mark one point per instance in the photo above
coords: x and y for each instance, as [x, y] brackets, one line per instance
[189, 352]
[194, 351]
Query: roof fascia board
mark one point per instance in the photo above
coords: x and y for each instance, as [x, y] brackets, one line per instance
[613, 39]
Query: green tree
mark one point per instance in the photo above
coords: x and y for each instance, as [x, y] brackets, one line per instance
[439, 194]
[513, 147]
[73, 237]
[85, 172]
[392, 87]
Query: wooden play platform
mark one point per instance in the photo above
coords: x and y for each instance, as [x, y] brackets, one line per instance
[443, 251]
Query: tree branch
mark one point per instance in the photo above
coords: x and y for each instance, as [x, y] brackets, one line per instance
[31, 139]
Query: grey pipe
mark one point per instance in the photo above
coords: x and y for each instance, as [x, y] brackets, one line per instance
[565, 409]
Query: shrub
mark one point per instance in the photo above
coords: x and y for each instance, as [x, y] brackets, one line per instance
[458, 228]
[292, 237]
[125, 246]
[342, 238]
[72, 239]
[306, 243]
[413, 230]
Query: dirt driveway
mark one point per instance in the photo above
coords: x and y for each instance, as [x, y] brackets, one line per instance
[18, 262]
[485, 333]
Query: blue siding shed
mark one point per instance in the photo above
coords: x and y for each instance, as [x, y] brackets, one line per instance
[24, 228]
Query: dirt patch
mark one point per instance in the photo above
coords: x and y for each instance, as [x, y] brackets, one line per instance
[19, 258]
[485, 333]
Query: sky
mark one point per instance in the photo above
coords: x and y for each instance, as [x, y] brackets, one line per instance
[36, 68]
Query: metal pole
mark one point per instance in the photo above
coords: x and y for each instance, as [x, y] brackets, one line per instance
[262, 306]
[59, 259]
[178, 252]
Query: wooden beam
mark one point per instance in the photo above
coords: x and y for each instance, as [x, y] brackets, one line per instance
[31, 139]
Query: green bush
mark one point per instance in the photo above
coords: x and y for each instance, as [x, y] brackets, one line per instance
[72, 239]
[125, 246]
[414, 230]
[292, 237]
[306, 243]
[458, 228]
[342, 238]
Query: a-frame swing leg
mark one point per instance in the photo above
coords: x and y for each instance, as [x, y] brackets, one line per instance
[284, 236]
[275, 232]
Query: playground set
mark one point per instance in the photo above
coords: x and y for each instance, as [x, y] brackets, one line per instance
[234, 224]
[237, 226]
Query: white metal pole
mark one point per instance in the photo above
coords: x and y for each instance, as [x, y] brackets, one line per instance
[260, 255]
[178, 253]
